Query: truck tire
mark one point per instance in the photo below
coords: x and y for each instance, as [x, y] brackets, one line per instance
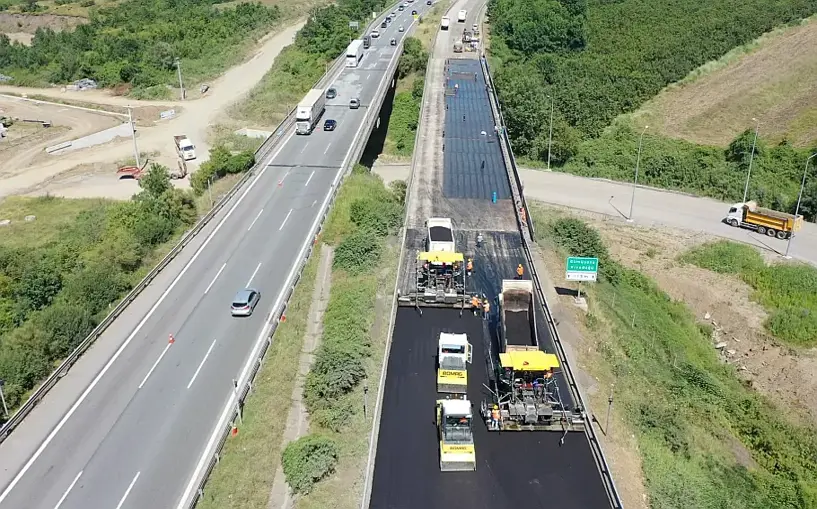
[761, 230]
[734, 223]
[771, 232]
[782, 235]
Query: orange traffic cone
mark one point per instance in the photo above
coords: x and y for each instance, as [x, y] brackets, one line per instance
[283, 318]
[171, 339]
[234, 432]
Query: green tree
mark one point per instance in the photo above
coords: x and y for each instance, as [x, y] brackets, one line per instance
[307, 460]
[740, 149]
[156, 180]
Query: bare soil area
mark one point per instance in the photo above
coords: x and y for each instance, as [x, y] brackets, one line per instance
[29, 23]
[771, 80]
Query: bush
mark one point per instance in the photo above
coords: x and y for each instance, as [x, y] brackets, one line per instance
[307, 460]
[356, 252]
[220, 164]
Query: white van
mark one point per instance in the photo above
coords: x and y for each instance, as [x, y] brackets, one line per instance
[461, 16]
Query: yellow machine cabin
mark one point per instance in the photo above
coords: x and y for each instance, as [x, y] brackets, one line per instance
[454, 421]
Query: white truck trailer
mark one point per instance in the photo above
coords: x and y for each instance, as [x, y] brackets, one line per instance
[440, 235]
[309, 111]
[354, 53]
[185, 147]
[445, 23]
[461, 16]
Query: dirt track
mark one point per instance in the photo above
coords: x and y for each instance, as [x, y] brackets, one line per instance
[89, 172]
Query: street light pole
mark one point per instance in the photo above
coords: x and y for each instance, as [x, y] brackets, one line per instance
[3, 399]
[133, 135]
[635, 182]
[550, 135]
[181, 85]
[751, 158]
[799, 199]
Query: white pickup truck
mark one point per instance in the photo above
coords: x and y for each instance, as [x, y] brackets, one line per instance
[185, 147]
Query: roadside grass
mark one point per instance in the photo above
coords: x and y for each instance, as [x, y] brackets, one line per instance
[52, 216]
[706, 440]
[222, 135]
[246, 471]
[788, 291]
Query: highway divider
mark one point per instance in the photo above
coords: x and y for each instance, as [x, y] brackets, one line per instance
[526, 228]
[243, 384]
[261, 154]
[367, 482]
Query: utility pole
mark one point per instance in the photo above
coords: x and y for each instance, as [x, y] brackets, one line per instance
[751, 158]
[550, 135]
[799, 199]
[181, 85]
[635, 182]
[3, 399]
[133, 135]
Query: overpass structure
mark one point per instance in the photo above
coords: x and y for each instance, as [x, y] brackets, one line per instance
[463, 169]
[139, 418]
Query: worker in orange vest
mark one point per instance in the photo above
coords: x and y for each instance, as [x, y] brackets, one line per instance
[495, 417]
[475, 304]
[469, 267]
[520, 271]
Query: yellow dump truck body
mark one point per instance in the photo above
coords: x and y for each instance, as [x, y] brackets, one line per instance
[778, 221]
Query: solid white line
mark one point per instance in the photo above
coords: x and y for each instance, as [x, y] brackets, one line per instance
[310, 178]
[253, 276]
[127, 491]
[214, 279]
[167, 347]
[202, 364]
[231, 400]
[302, 150]
[133, 334]
[314, 202]
[285, 220]
[256, 219]
[65, 495]
[327, 148]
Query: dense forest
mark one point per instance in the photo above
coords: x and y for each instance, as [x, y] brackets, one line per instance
[598, 59]
[138, 42]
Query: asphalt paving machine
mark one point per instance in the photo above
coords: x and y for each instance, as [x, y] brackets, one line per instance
[524, 388]
[456, 437]
[454, 353]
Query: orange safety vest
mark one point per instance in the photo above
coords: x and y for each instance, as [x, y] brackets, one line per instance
[523, 214]
[520, 270]
[495, 415]
[487, 307]
[475, 302]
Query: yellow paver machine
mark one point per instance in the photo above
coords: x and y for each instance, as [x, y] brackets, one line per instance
[440, 281]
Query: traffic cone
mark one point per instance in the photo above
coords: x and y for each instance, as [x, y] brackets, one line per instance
[171, 339]
[234, 432]
[280, 183]
[283, 318]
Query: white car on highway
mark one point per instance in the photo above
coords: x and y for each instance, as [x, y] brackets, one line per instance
[375, 34]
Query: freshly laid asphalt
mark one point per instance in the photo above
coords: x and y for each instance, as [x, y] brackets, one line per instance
[130, 447]
[514, 468]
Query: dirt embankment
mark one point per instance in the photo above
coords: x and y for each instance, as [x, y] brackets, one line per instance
[29, 23]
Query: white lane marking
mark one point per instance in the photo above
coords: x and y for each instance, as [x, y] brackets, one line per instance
[253, 276]
[167, 347]
[214, 279]
[127, 491]
[327, 148]
[202, 363]
[285, 220]
[302, 150]
[65, 495]
[314, 202]
[368, 76]
[231, 400]
[133, 334]
[310, 178]
[254, 220]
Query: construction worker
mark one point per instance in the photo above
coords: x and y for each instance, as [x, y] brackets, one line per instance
[480, 239]
[495, 417]
[475, 304]
[520, 271]
[469, 267]
[486, 308]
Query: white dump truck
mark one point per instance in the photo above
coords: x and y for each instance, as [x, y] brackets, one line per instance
[309, 111]
[185, 147]
[445, 23]
[461, 16]
[440, 238]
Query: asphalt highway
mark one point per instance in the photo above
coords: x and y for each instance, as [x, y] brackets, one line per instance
[134, 437]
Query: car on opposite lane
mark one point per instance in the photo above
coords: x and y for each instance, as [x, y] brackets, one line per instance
[354, 104]
[330, 125]
[375, 34]
[245, 301]
[331, 93]
[400, 29]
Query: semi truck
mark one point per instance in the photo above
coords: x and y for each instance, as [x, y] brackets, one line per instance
[461, 16]
[185, 147]
[309, 111]
[354, 53]
[764, 221]
[440, 235]
[456, 437]
[454, 353]
[445, 23]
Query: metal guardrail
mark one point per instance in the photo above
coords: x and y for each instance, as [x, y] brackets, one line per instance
[526, 227]
[244, 384]
[375, 433]
[260, 155]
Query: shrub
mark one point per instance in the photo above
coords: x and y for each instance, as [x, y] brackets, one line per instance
[220, 164]
[307, 460]
[356, 252]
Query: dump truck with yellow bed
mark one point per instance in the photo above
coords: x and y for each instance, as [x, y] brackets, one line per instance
[764, 221]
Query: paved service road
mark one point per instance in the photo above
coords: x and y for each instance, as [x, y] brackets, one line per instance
[134, 437]
[656, 207]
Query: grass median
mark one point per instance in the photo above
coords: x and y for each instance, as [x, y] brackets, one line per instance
[705, 439]
[788, 291]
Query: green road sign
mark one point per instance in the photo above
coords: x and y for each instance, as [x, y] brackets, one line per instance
[582, 269]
